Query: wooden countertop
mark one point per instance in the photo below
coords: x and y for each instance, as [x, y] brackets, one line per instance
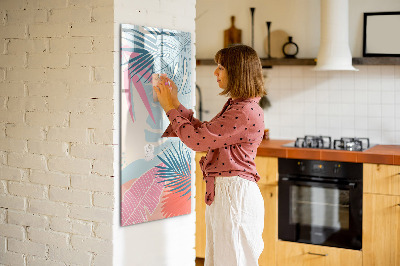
[379, 154]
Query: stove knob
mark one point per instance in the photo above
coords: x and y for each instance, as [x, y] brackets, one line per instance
[302, 167]
[336, 169]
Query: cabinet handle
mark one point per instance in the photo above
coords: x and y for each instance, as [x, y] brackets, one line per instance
[398, 204]
[318, 254]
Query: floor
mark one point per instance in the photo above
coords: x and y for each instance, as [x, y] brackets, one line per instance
[199, 262]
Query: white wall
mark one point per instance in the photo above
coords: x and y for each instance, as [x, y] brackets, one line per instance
[338, 104]
[299, 18]
[56, 121]
[169, 241]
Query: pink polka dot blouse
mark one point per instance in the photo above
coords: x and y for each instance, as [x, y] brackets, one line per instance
[231, 139]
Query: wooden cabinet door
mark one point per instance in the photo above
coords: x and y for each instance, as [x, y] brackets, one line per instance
[200, 209]
[270, 233]
[267, 168]
[381, 230]
[298, 254]
[381, 179]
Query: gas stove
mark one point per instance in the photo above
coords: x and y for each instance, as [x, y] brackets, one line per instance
[325, 142]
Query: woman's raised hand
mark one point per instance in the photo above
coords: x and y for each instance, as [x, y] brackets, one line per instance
[174, 91]
[164, 94]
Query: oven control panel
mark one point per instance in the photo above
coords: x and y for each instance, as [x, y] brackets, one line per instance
[330, 169]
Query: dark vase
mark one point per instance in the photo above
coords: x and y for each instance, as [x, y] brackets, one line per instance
[290, 49]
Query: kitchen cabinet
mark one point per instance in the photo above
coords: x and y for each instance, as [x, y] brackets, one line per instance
[267, 167]
[270, 233]
[381, 221]
[381, 179]
[291, 253]
[381, 215]
[200, 209]
[381, 230]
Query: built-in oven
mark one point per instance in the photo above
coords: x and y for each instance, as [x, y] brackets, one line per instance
[320, 202]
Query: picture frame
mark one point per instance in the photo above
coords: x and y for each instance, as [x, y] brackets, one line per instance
[381, 37]
[155, 165]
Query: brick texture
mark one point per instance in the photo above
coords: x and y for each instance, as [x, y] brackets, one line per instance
[56, 122]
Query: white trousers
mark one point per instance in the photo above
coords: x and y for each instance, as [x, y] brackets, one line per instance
[234, 223]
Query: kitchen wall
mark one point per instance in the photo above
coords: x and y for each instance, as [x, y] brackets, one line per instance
[56, 123]
[297, 18]
[339, 104]
[170, 241]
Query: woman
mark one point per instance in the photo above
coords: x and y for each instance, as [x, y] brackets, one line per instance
[235, 207]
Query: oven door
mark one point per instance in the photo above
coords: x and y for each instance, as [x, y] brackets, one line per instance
[321, 212]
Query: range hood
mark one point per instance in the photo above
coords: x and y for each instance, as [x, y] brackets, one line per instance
[334, 51]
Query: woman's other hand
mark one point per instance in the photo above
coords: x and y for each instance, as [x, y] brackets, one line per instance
[164, 95]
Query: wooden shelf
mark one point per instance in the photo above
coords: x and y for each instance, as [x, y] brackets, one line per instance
[376, 61]
[312, 61]
[288, 62]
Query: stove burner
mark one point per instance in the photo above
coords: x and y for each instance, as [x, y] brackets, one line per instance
[324, 142]
[308, 141]
[351, 144]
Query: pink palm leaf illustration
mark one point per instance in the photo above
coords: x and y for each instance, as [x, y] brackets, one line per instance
[176, 177]
[141, 198]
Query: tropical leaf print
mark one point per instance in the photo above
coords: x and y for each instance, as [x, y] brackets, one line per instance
[175, 176]
[141, 198]
[147, 50]
[152, 190]
[173, 205]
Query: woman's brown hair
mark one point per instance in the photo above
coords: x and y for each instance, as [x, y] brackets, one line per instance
[245, 78]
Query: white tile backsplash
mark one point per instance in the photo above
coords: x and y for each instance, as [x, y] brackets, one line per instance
[390, 136]
[322, 95]
[347, 110]
[374, 110]
[388, 97]
[387, 111]
[388, 83]
[364, 103]
[397, 96]
[361, 123]
[374, 97]
[374, 83]
[348, 95]
[397, 123]
[387, 124]
[322, 109]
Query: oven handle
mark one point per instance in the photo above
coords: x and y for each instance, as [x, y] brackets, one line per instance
[297, 181]
[318, 254]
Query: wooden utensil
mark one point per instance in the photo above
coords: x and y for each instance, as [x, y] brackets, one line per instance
[232, 35]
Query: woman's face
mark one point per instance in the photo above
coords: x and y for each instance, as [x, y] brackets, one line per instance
[222, 76]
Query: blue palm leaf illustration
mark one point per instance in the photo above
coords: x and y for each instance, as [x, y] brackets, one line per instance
[156, 46]
[176, 173]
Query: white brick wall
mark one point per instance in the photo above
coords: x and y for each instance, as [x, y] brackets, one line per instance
[56, 126]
